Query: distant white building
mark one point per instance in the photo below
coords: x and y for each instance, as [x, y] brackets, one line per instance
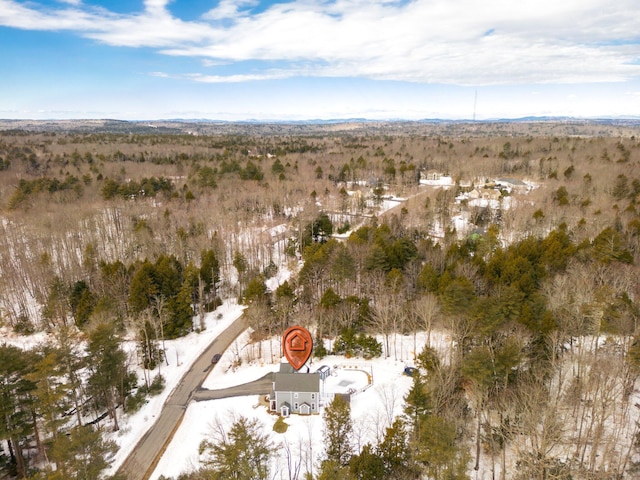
[510, 184]
[436, 179]
[484, 193]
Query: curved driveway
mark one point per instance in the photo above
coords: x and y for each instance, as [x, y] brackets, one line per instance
[142, 460]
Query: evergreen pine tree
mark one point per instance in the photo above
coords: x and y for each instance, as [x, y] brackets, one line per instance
[417, 403]
[331, 470]
[49, 395]
[244, 453]
[438, 452]
[338, 431]
[143, 287]
[367, 464]
[16, 424]
[395, 453]
[81, 455]
[209, 269]
[108, 381]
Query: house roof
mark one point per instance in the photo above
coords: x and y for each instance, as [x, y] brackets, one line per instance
[286, 368]
[512, 181]
[297, 382]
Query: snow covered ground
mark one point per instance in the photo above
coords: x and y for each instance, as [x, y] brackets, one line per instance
[373, 406]
[181, 353]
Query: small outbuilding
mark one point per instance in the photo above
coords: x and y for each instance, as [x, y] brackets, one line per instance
[324, 371]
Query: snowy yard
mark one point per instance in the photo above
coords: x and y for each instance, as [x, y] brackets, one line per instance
[373, 409]
[373, 406]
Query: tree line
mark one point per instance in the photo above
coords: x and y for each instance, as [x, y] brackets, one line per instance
[56, 394]
[517, 316]
[521, 299]
[534, 326]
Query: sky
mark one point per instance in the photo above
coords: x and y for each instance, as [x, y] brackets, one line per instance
[318, 59]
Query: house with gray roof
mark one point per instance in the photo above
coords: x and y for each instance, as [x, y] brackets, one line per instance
[295, 392]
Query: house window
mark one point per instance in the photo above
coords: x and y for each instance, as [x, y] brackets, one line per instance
[295, 395]
[313, 396]
[295, 407]
[313, 406]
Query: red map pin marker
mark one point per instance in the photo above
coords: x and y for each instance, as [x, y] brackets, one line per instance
[297, 345]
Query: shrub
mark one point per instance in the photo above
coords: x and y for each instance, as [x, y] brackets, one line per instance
[319, 350]
[280, 426]
[351, 344]
[135, 401]
[157, 385]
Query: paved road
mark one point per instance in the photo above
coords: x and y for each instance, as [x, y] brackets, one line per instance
[139, 465]
[261, 386]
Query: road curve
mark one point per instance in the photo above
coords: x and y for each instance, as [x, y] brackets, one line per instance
[140, 463]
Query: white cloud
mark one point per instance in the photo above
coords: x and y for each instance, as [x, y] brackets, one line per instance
[228, 9]
[237, 78]
[431, 41]
[14, 14]
[213, 63]
[234, 78]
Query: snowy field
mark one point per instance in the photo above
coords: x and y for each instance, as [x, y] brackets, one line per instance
[379, 387]
[373, 408]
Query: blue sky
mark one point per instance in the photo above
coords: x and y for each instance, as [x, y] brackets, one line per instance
[318, 59]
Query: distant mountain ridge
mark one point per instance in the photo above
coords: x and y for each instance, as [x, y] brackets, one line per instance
[574, 125]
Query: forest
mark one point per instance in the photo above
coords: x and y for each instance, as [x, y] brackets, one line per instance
[110, 236]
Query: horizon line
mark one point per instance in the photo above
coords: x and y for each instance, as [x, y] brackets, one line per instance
[333, 119]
